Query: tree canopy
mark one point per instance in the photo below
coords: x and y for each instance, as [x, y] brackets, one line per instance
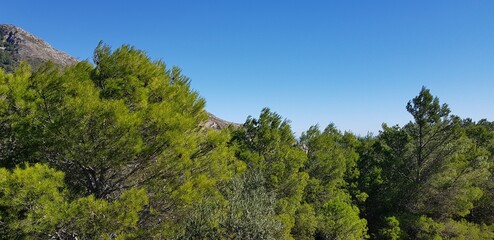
[118, 149]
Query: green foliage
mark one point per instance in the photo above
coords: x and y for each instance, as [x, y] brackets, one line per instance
[340, 220]
[392, 231]
[125, 122]
[267, 145]
[331, 165]
[245, 211]
[7, 60]
[34, 204]
[427, 228]
[251, 210]
[190, 202]
[446, 168]
[118, 150]
[332, 161]
[444, 165]
[30, 200]
[432, 167]
[426, 110]
[305, 222]
[463, 230]
[482, 146]
[106, 141]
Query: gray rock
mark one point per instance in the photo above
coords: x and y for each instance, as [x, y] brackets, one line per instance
[18, 44]
[218, 123]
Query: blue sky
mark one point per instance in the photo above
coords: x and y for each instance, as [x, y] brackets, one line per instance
[353, 63]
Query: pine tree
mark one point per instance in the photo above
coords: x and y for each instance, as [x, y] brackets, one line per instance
[267, 145]
[331, 165]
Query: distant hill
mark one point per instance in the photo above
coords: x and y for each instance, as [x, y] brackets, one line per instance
[17, 45]
[218, 123]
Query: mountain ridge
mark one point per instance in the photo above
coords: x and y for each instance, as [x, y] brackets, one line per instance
[17, 44]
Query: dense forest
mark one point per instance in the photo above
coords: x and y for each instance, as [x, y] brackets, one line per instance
[117, 149]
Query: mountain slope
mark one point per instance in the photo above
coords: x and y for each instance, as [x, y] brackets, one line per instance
[17, 44]
[218, 123]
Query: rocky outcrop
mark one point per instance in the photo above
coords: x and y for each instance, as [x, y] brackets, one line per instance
[218, 123]
[16, 44]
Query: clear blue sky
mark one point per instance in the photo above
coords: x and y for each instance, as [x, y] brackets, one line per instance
[353, 63]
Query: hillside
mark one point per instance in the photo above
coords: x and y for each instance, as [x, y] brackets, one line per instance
[218, 123]
[16, 45]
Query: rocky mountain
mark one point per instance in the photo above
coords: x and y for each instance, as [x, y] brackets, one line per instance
[16, 45]
[218, 123]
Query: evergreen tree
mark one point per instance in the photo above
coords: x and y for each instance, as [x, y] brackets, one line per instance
[118, 149]
[35, 204]
[331, 166]
[429, 169]
[481, 134]
[267, 145]
[126, 122]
